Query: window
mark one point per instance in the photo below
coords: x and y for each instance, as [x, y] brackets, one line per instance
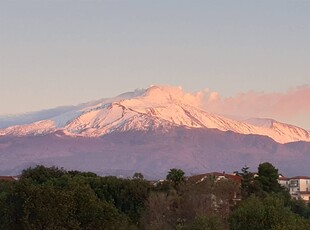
[294, 183]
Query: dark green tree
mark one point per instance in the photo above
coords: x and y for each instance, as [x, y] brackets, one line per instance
[41, 174]
[268, 178]
[128, 196]
[176, 176]
[207, 222]
[52, 198]
[138, 176]
[6, 206]
[248, 184]
[300, 207]
[247, 179]
[267, 213]
[73, 205]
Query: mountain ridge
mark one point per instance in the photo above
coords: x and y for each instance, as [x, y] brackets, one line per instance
[151, 131]
[153, 153]
[150, 109]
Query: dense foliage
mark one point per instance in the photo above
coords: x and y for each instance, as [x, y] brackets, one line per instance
[53, 198]
[176, 176]
[268, 213]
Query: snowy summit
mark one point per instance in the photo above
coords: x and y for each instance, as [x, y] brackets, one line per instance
[156, 108]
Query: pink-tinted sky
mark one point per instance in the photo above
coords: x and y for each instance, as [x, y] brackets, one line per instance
[292, 106]
[255, 54]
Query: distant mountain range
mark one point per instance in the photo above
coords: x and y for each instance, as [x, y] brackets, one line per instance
[150, 131]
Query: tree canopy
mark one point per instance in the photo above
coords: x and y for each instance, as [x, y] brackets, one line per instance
[176, 176]
[267, 213]
[268, 178]
[53, 198]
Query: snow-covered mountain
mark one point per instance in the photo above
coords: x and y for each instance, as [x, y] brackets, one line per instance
[156, 108]
[149, 131]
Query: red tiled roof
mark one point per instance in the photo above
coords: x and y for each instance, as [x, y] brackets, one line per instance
[10, 178]
[301, 177]
[283, 178]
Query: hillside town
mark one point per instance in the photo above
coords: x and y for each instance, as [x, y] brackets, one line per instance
[298, 186]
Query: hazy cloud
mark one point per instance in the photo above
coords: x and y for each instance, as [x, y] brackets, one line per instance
[292, 106]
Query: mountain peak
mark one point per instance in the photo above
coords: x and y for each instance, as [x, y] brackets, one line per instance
[163, 93]
[158, 107]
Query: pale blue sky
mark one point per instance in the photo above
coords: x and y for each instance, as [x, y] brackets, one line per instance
[62, 52]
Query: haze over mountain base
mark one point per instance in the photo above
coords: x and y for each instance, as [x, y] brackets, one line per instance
[153, 153]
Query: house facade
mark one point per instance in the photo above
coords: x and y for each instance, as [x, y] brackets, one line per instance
[284, 182]
[298, 187]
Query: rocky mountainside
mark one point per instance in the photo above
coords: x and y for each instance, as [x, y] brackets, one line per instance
[153, 152]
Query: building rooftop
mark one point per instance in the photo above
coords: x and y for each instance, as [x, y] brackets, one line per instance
[7, 178]
[301, 177]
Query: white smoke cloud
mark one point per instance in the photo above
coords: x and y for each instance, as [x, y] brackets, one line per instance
[292, 106]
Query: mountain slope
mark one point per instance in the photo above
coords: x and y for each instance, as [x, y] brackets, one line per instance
[153, 152]
[143, 110]
[150, 131]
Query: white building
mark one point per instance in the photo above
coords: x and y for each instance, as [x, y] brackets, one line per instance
[305, 196]
[299, 186]
[284, 181]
